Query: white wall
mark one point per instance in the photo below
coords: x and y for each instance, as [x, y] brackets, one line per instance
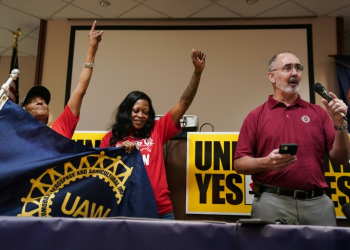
[158, 63]
[56, 63]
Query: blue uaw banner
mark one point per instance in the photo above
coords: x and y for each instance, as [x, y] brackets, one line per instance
[47, 175]
[342, 64]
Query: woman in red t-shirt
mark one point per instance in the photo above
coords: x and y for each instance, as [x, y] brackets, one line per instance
[135, 127]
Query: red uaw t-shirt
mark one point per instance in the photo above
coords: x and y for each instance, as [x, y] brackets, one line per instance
[66, 123]
[304, 123]
[151, 150]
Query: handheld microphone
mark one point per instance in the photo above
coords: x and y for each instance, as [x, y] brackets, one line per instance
[318, 87]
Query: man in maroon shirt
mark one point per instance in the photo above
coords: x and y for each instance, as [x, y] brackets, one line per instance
[287, 185]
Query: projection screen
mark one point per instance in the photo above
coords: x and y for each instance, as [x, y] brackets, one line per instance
[156, 60]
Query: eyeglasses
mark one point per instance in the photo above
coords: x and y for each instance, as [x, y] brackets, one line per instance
[289, 68]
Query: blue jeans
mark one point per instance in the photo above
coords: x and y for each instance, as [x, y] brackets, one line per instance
[168, 216]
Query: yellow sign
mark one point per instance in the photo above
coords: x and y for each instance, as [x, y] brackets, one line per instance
[213, 187]
[89, 138]
[338, 180]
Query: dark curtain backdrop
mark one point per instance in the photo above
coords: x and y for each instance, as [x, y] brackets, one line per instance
[342, 64]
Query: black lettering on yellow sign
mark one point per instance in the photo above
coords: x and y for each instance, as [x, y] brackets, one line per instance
[342, 183]
[214, 153]
[89, 143]
[208, 156]
[203, 185]
[230, 180]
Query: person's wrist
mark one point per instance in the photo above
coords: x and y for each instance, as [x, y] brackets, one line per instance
[93, 46]
[264, 162]
[198, 72]
[340, 128]
[89, 65]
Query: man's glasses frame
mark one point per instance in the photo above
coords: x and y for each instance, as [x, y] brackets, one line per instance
[288, 68]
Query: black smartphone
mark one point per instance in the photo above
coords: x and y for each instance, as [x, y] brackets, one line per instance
[288, 148]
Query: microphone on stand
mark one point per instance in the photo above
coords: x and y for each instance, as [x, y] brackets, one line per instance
[318, 87]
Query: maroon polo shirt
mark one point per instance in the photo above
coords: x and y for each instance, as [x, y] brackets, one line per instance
[272, 124]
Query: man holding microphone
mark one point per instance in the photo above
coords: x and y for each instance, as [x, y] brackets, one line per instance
[288, 185]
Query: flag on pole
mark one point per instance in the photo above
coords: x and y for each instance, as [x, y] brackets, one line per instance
[45, 174]
[13, 89]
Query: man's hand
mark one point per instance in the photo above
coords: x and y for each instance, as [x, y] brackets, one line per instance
[129, 146]
[198, 60]
[276, 161]
[334, 107]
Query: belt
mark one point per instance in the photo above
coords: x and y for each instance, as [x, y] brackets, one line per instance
[296, 194]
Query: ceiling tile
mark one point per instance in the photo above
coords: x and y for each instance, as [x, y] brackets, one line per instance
[250, 10]
[35, 33]
[13, 19]
[6, 38]
[288, 9]
[28, 46]
[72, 12]
[324, 6]
[344, 12]
[213, 11]
[39, 8]
[178, 8]
[142, 11]
[117, 7]
[26, 14]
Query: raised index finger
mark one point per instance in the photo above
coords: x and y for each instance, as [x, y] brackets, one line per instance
[93, 27]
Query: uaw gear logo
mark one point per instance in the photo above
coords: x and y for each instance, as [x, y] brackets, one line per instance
[91, 186]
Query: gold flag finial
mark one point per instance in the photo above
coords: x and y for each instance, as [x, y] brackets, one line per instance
[15, 37]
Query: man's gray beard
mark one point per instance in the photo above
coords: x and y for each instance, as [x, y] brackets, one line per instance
[288, 89]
